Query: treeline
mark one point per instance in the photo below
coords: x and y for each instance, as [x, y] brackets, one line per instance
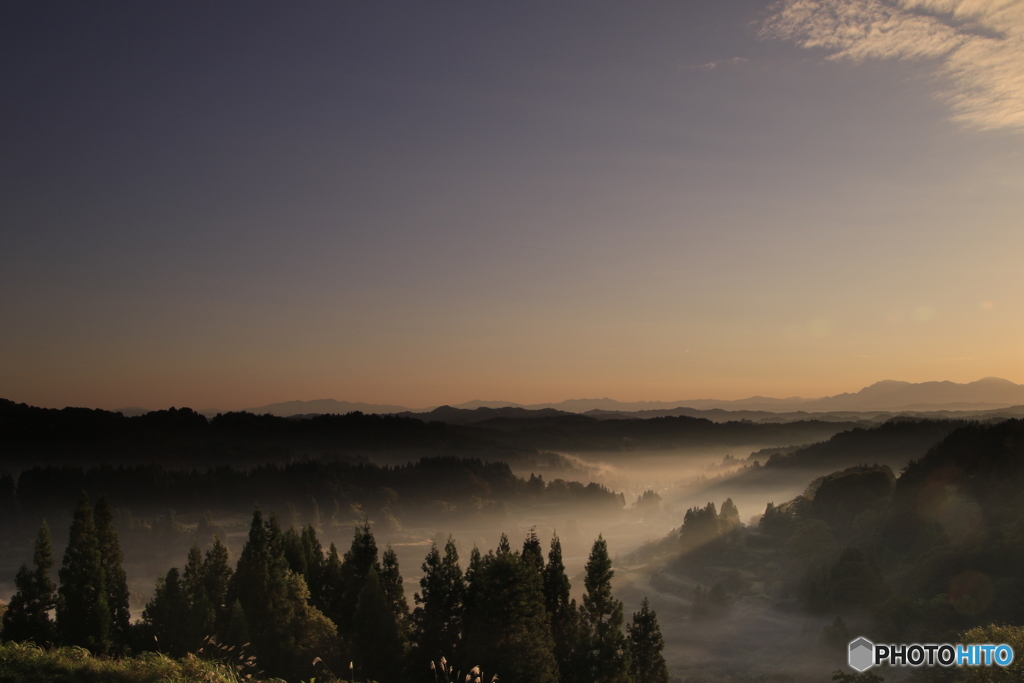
[580, 433]
[430, 486]
[289, 608]
[182, 436]
[893, 443]
[701, 525]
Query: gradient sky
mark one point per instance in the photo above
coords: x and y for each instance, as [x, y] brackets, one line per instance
[225, 205]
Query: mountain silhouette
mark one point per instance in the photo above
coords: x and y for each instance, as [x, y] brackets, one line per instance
[323, 406]
[888, 395]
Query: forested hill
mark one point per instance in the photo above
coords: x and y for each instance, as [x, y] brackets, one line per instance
[927, 557]
[893, 444]
[184, 438]
[579, 433]
[936, 552]
[982, 462]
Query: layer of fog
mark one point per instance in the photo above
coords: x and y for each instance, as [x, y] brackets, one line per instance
[755, 638]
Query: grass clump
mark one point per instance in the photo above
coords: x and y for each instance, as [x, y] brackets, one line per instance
[28, 663]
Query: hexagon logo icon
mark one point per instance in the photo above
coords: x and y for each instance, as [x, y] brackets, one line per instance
[862, 654]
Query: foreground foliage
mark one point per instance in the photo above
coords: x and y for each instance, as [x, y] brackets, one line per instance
[289, 609]
[27, 662]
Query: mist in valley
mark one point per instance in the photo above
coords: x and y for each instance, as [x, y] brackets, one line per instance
[752, 637]
[761, 557]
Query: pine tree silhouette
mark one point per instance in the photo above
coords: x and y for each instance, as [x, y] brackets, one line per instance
[507, 628]
[603, 653]
[83, 614]
[114, 577]
[647, 665]
[27, 617]
[562, 611]
[437, 618]
[379, 649]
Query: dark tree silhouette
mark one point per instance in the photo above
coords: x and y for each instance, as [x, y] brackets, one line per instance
[331, 586]
[167, 614]
[533, 555]
[114, 577]
[700, 525]
[202, 616]
[357, 564]
[378, 648]
[604, 655]
[437, 619]
[394, 593]
[261, 584]
[729, 517]
[28, 615]
[647, 665]
[217, 574]
[83, 615]
[313, 553]
[506, 627]
[562, 611]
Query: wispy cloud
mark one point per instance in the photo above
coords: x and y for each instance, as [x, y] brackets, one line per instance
[725, 62]
[977, 44]
[734, 61]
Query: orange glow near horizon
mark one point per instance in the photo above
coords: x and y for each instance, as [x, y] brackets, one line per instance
[684, 201]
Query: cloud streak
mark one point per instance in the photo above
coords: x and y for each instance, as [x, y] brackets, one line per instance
[978, 45]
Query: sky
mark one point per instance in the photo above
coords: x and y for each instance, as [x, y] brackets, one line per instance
[223, 205]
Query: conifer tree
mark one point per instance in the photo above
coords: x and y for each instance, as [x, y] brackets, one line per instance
[236, 630]
[294, 552]
[331, 586]
[472, 578]
[181, 614]
[271, 606]
[356, 565]
[647, 665]
[507, 628]
[729, 517]
[438, 615]
[28, 615]
[700, 525]
[314, 634]
[201, 612]
[115, 579]
[249, 581]
[217, 578]
[315, 563]
[562, 611]
[503, 545]
[167, 613]
[261, 585]
[533, 555]
[83, 615]
[378, 643]
[394, 592]
[604, 654]
[451, 575]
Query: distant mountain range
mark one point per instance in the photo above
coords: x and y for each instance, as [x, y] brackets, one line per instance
[888, 395]
[322, 406]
